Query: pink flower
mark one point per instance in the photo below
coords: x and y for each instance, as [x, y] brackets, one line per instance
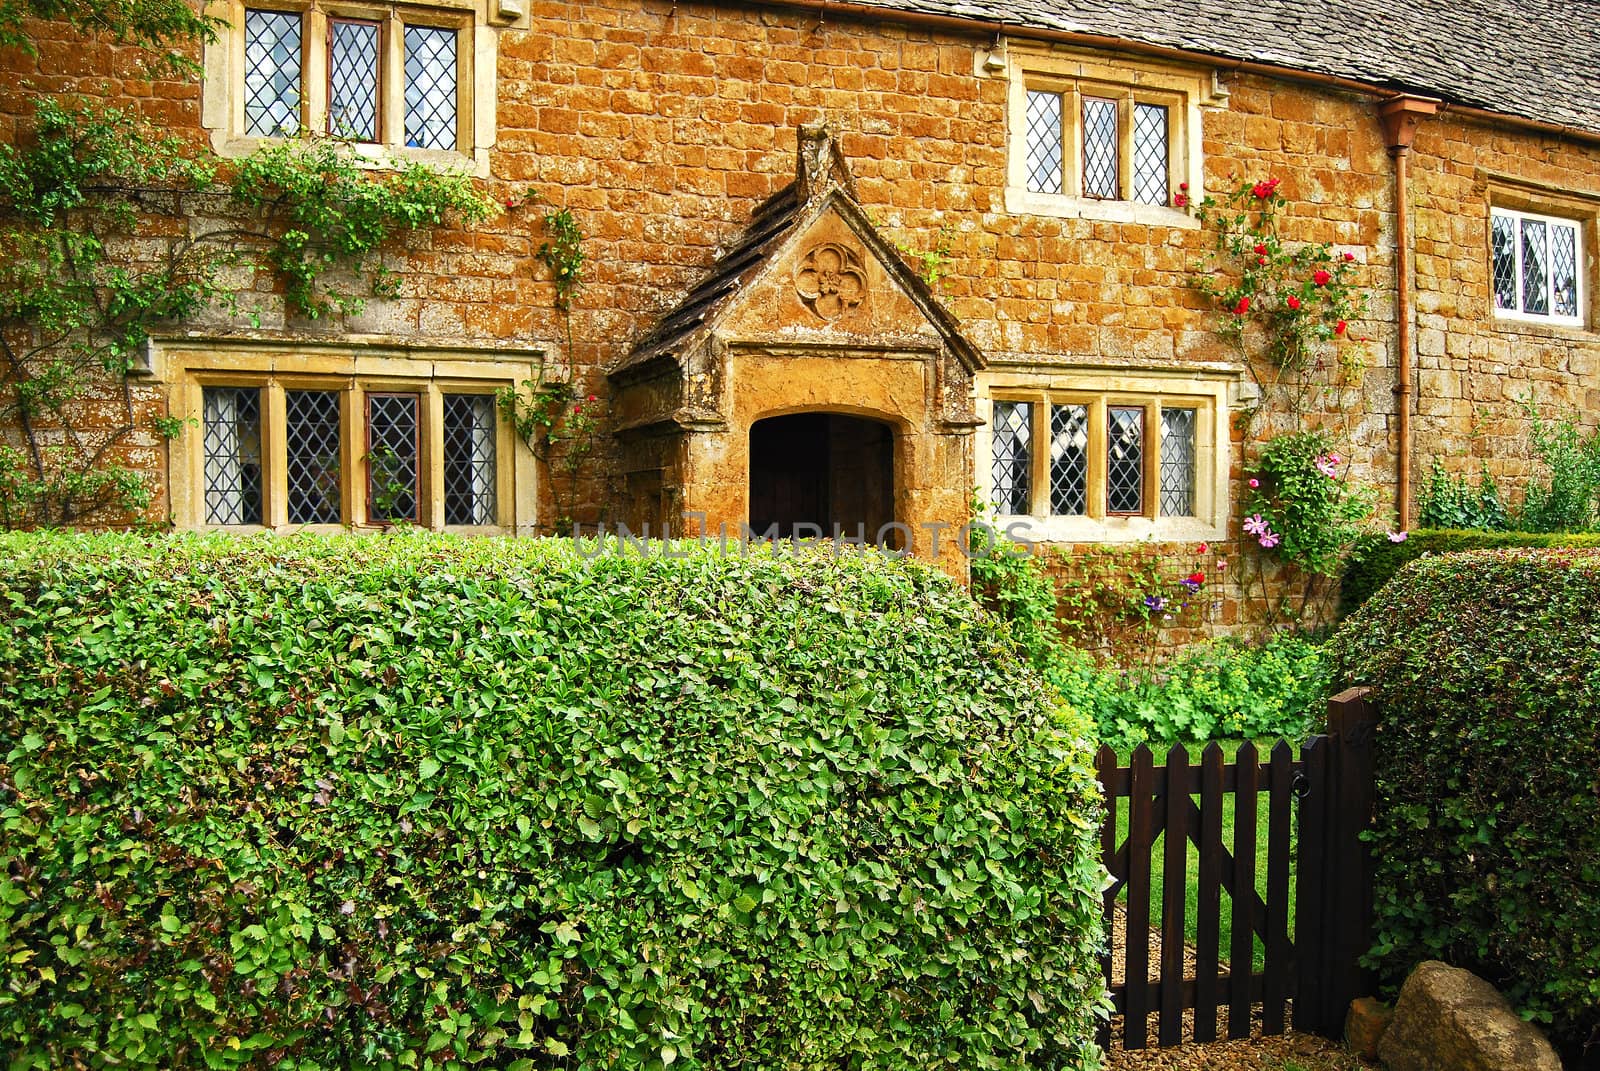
[1202, 548]
[1328, 465]
[1180, 200]
[1268, 539]
[1254, 483]
[1397, 537]
[1255, 525]
[1294, 302]
[1222, 565]
[1320, 277]
[1348, 257]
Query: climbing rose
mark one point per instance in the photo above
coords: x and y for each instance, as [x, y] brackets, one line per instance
[1263, 190]
[577, 408]
[1348, 257]
[1261, 247]
[1321, 277]
[1181, 200]
[1254, 482]
[1183, 185]
[1243, 307]
[1338, 328]
[591, 397]
[1202, 548]
[1294, 302]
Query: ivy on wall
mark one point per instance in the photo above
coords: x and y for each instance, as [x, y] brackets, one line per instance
[106, 223]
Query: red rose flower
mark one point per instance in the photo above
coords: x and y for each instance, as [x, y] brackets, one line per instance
[1183, 185]
[1348, 257]
[1196, 577]
[1294, 302]
[1320, 277]
[591, 397]
[1180, 200]
[1202, 548]
[1261, 247]
[1243, 307]
[1263, 190]
[1338, 328]
[577, 408]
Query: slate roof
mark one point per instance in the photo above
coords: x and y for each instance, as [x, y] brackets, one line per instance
[1537, 59]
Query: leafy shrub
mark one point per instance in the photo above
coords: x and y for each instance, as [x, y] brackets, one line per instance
[1300, 503]
[1223, 689]
[1448, 501]
[1566, 501]
[433, 803]
[1374, 559]
[1487, 838]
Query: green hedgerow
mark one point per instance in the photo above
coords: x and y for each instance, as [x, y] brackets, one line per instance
[421, 802]
[1486, 677]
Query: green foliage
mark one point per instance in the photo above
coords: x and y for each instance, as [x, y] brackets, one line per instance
[559, 428]
[1219, 690]
[1375, 559]
[1449, 501]
[562, 254]
[332, 212]
[98, 215]
[155, 24]
[1567, 500]
[1312, 512]
[1487, 832]
[426, 802]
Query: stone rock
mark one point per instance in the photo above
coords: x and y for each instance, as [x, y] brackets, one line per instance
[1364, 1026]
[1451, 1020]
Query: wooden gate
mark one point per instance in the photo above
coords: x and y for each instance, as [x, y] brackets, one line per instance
[1296, 874]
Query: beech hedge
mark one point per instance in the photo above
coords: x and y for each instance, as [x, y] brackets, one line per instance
[420, 802]
[1486, 674]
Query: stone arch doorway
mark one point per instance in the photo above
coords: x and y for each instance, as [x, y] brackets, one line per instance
[820, 471]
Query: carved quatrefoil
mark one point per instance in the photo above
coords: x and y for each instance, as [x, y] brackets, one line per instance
[831, 281]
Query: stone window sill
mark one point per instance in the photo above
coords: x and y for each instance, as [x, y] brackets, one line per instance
[1027, 202]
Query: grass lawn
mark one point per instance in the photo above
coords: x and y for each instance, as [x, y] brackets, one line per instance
[1157, 885]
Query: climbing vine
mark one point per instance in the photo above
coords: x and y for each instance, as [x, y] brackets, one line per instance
[114, 231]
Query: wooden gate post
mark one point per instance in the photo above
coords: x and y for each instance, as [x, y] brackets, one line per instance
[1334, 925]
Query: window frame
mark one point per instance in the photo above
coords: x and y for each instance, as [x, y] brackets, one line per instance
[1183, 91]
[1579, 227]
[223, 98]
[194, 365]
[1211, 398]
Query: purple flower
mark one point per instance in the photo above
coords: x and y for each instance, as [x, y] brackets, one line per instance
[1328, 465]
[1397, 537]
[1189, 585]
[1255, 526]
[1154, 603]
[1269, 538]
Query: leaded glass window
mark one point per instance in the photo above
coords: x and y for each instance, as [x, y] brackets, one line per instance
[271, 73]
[1099, 147]
[1124, 459]
[392, 456]
[1150, 182]
[1069, 460]
[231, 433]
[311, 436]
[1046, 162]
[469, 459]
[430, 87]
[1012, 436]
[354, 69]
[1535, 264]
[1177, 462]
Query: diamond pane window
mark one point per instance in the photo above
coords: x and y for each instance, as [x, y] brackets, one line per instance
[1069, 460]
[231, 427]
[469, 459]
[1124, 459]
[1099, 147]
[1564, 270]
[1150, 154]
[353, 73]
[311, 432]
[1535, 267]
[392, 456]
[271, 73]
[1045, 152]
[430, 87]
[1013, 457]
[1505, 262]
[1177, 462]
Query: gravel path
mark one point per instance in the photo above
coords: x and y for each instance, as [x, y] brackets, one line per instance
[1291, 1052]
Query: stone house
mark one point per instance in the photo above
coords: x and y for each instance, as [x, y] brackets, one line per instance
[751, 178]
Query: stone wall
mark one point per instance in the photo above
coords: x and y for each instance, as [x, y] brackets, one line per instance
[661, 126]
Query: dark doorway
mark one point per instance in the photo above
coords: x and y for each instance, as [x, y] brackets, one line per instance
[824, 469]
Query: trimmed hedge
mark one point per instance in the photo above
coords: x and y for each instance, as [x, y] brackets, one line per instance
[1487, 678]
[431, 803]
[1374, 560]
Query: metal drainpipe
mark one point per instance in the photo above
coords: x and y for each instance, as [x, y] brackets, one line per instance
[1400, 116]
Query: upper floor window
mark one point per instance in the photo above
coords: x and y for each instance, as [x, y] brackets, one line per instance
[1537, 267]
[386, 79]
[1091, 139]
